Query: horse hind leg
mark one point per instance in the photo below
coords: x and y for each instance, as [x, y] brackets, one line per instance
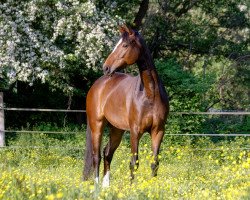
[96, 127]
[108, 152]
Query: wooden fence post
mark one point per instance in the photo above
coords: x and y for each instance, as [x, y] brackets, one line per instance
[2, 134]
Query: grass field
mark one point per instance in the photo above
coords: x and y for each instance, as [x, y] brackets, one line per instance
[204, 170]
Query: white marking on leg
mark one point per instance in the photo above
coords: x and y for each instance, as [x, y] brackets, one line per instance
[105, 182]
[97, 180]
[120, 41]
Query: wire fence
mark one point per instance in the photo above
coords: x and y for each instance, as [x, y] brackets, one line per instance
[83, 111]
[169, 134]
[42, 110]
[247, 148]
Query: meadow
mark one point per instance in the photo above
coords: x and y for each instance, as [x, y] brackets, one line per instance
[42, 166]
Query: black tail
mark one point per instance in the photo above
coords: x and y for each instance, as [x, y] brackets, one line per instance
[88, 166]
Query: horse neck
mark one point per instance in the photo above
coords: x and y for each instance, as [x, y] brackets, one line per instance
[148, 75]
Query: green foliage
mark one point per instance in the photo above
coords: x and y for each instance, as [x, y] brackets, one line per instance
[191, 92]
[5, 83]
[186, 93]
[201, 51]
[185, 89]
[209, 32]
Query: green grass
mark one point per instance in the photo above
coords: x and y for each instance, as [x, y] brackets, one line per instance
[53, 170]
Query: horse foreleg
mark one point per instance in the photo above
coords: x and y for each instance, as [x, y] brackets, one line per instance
[108, 152]
[156, 137]
[134, 163]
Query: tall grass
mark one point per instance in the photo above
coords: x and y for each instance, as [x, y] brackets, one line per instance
[41, 166]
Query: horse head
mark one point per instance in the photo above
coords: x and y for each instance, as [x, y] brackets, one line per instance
[126, 51]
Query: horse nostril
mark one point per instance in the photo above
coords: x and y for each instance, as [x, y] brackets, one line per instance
[106, 70]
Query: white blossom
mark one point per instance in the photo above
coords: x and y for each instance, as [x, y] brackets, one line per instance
[30, 31]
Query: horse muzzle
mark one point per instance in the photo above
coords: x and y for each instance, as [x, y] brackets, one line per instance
[107, 70]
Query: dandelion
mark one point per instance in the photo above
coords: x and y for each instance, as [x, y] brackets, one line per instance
[59, 195]
[50, 197]
[120, 195]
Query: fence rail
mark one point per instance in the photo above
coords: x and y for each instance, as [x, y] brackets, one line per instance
[169, 134]
[246, 148]
[42, 110]
[3, 131]
[211, 113]
[83, 111]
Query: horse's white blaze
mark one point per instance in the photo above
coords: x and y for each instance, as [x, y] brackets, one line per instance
[105, 182]
[120, 41]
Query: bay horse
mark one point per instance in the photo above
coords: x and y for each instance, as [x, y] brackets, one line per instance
[124, 102]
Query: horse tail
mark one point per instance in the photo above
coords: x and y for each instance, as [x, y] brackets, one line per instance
[88, 166]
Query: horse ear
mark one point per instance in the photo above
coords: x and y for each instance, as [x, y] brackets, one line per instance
[121, 29]
[124, 28]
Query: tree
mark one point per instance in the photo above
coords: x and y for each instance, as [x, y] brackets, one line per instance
[208, 38]
[64, 43]
[53, 40]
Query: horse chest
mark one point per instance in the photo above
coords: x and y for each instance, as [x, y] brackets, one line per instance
[146, 122]
[146, 114]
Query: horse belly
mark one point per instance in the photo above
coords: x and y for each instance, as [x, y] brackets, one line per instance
[116, 114]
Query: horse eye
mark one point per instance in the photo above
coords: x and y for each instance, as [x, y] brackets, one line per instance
[132, 42]
[125, 45]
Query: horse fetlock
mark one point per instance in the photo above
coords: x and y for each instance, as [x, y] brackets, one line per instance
[134, 166]
[154, 168]
[106, 180]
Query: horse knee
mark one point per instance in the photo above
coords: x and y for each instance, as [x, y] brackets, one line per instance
[96, 160]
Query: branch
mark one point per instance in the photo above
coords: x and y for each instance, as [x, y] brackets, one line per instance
[141, 14]
[164, 6]
[186, 6]
[214, 103]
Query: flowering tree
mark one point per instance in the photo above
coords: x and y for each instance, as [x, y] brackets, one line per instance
[49, 40]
